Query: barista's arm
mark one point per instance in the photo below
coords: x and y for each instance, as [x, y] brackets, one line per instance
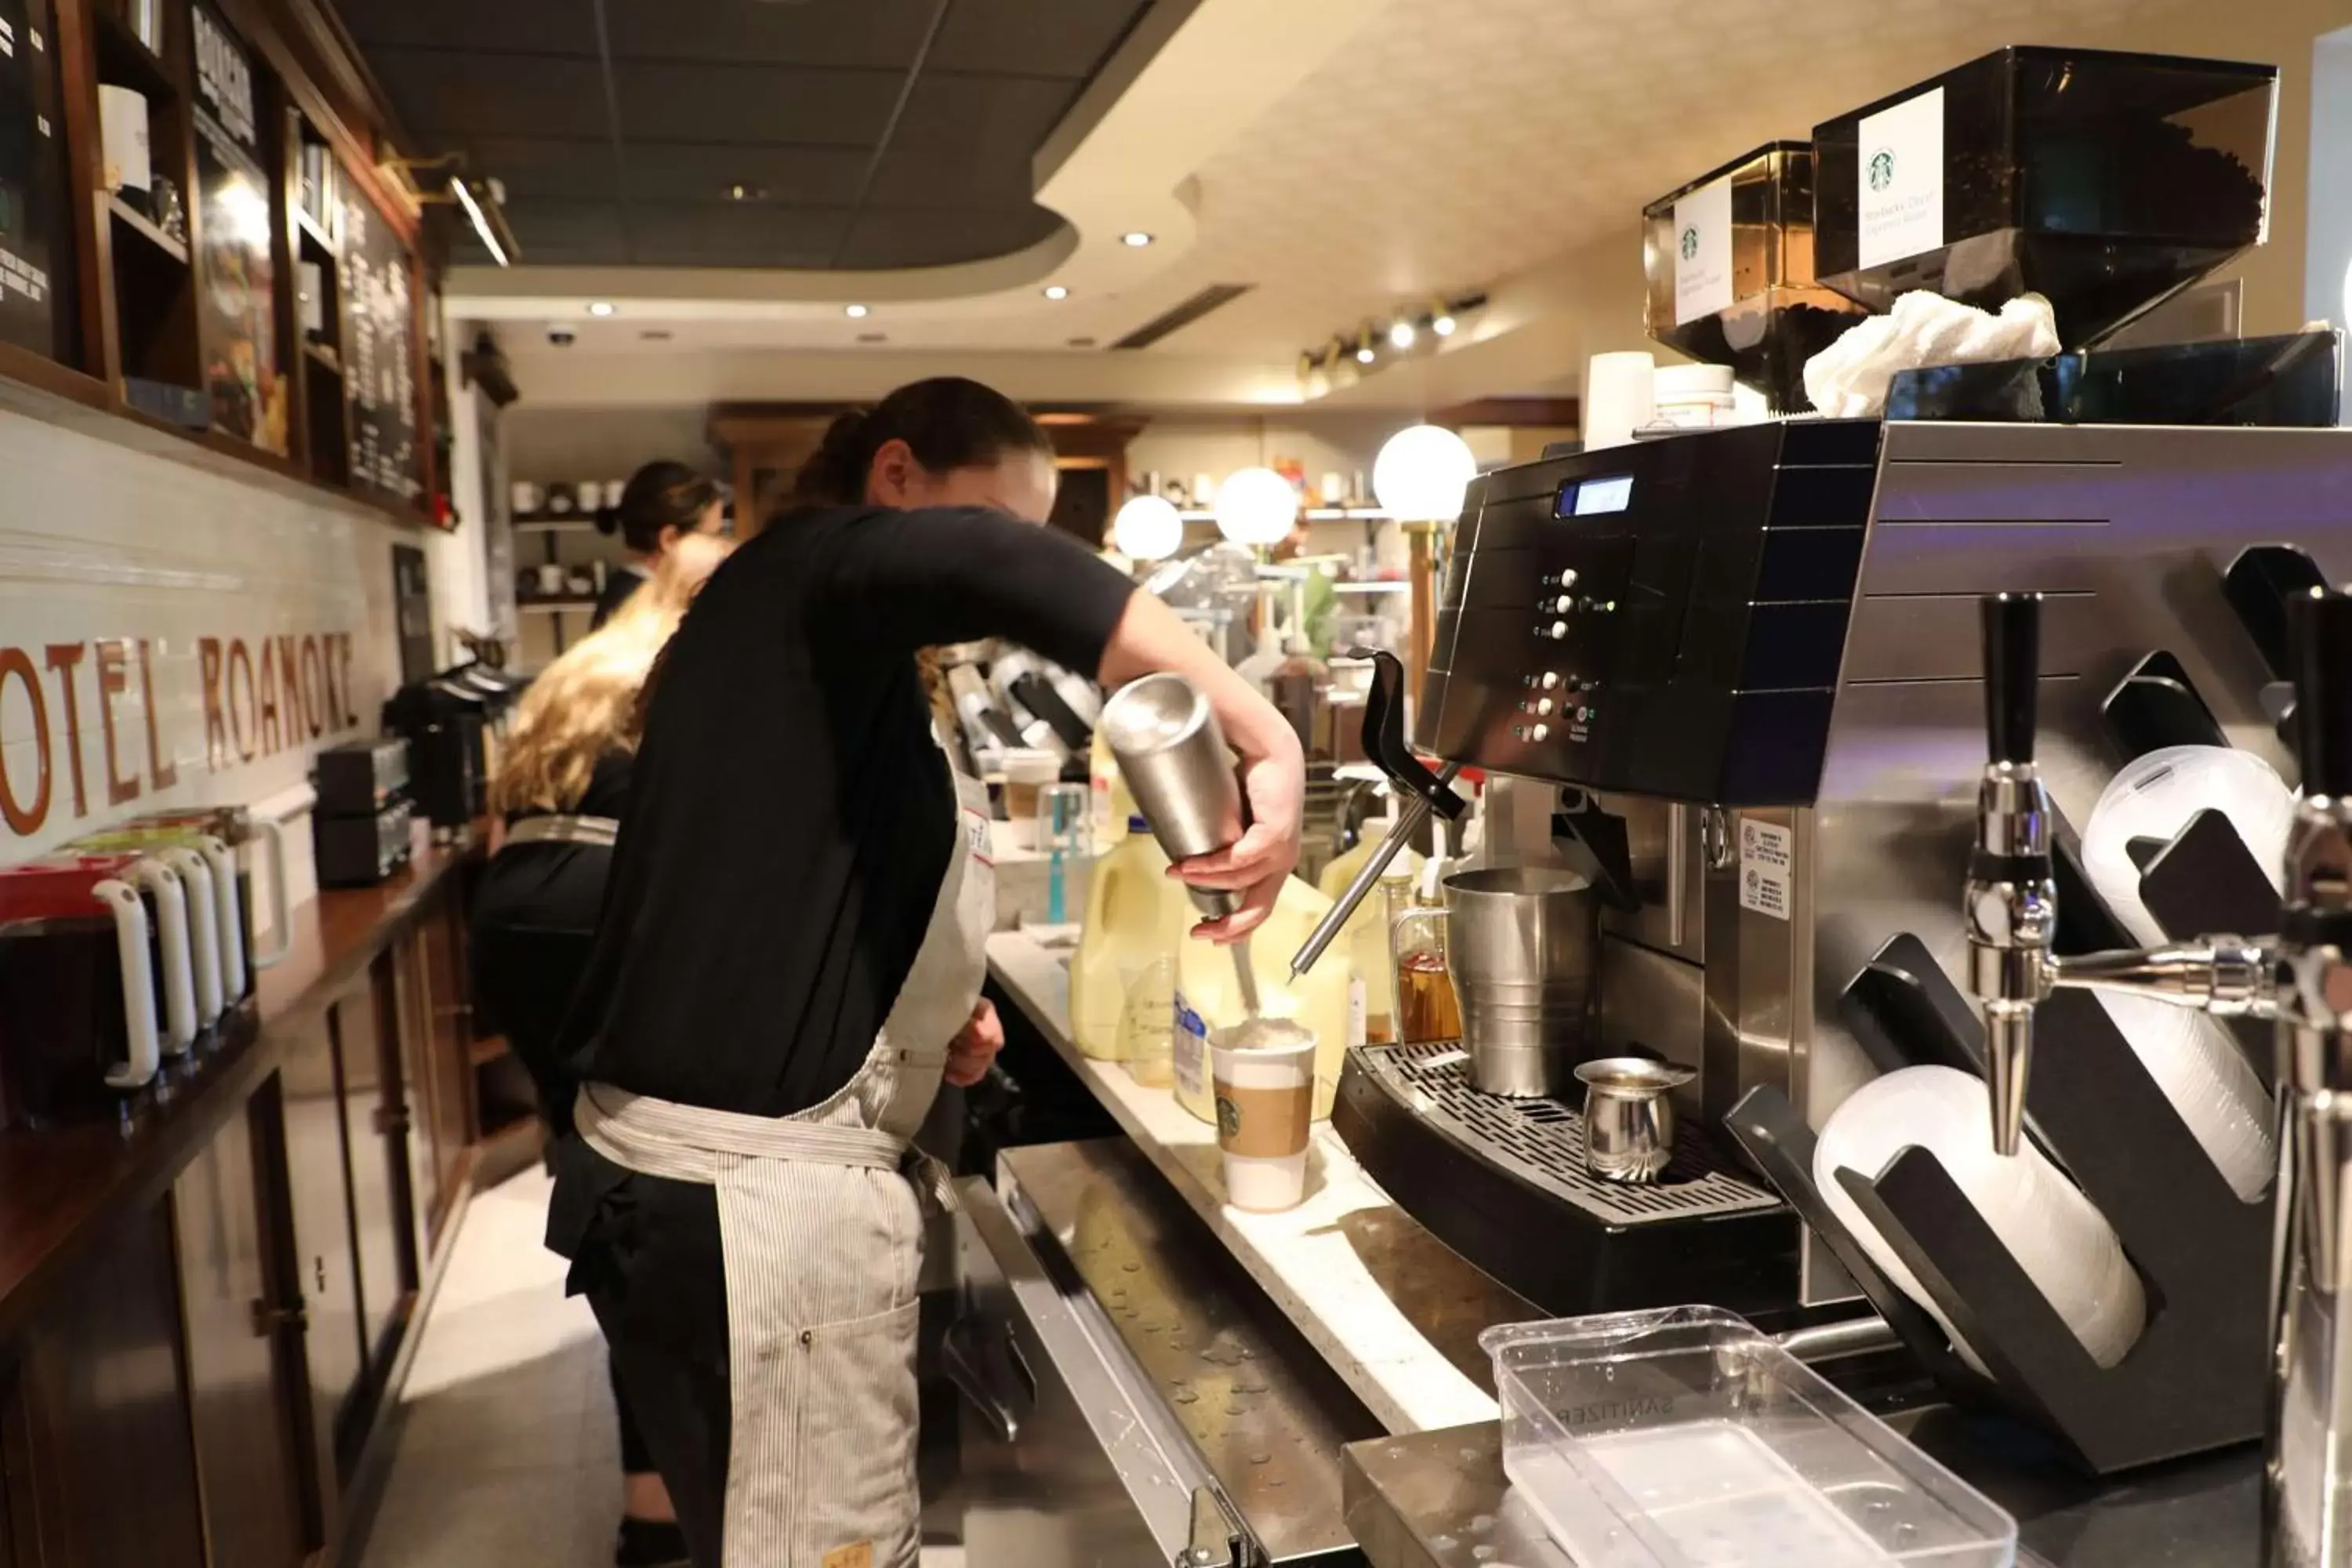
[929, 577]
[1148, 639]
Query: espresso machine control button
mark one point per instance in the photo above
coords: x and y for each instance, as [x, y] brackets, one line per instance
[1540, 732]
[1543, 704]
[1566, 579]
[1551, 680]
[1559, 631]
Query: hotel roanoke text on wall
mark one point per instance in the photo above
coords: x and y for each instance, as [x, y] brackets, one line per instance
[110, 721]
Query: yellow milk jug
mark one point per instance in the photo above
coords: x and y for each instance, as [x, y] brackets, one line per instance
[1208, 997]
[1136, 914]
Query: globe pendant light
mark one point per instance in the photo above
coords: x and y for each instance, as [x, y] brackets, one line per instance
[1147, 528]
[1256, 506]
[1421, 473]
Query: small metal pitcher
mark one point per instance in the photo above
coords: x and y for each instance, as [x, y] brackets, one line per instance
[1629, 1117]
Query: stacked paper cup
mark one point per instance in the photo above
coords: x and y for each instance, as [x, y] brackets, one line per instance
[2192, 1059]
[2158, 795]
[2061, 1242]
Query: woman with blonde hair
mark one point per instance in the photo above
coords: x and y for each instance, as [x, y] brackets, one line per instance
[561, 787]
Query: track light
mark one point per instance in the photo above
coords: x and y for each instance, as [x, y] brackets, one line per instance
[1402, 334]
[855, 312]
[1365, 352]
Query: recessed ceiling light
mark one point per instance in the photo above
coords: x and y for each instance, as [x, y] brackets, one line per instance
[1056, 291]
[1135, 238]
[872, 337]
[1082, 342]
[656, 336]
[600, 307]
[742, 193]
[855, 312]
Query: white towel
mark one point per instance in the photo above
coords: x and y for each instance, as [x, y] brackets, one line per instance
[1849, 379]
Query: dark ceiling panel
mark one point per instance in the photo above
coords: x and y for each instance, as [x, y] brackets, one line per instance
[699, 172]
[698, 236]
[936, 176]
[756, 104]
[442, 97]
[836, 33]
[546, 165]
[851, 161]
[994, 118]
[900, 237]
[527, 27]
[1065, 38]
[547, 223]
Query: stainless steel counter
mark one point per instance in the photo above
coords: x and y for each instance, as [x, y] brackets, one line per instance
[1439, 1500]
[1145, 1371]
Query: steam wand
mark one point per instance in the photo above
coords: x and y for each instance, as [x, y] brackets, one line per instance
[1430, 793]
[2303, 981]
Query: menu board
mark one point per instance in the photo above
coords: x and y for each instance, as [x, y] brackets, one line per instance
[33, 242]
[380, 354]
[236, 307]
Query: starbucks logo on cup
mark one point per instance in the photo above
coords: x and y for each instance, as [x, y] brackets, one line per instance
[1882, 168]
[1229, 1118]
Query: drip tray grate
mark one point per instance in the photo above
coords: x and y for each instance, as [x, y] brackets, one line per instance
[1542, 1143]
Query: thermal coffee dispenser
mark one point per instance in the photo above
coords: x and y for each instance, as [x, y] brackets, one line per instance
[95, 988]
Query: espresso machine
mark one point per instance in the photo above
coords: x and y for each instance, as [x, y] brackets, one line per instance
[1734, 676]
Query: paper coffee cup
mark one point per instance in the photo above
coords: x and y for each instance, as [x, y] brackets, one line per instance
[1264, 1075]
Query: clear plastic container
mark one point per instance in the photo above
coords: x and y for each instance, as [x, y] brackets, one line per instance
[1685, 1438]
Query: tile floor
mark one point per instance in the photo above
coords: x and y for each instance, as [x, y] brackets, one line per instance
[508, 1457]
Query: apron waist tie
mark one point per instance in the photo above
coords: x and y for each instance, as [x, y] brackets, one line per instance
[603, 832]
[693, 1143]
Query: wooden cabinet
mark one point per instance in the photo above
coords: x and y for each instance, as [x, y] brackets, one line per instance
[317, 1188]
[105, 1399]
[366, 1023]
[201, 1312]
[244, 1345]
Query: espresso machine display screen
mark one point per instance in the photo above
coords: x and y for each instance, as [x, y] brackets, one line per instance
[1597, 498]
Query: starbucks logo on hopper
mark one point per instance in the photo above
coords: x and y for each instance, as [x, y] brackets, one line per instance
[1690, 243]
[1882, 169]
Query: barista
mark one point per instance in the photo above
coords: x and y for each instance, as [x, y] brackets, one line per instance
[561, 786]
[789, 959]
[662, 503]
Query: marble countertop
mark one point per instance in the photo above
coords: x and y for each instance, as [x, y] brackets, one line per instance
[1394, 1312]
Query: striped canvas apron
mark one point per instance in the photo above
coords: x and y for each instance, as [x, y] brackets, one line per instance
[823, 1236]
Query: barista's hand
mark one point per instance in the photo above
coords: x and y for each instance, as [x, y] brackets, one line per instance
[974, 1046]
[1255, 865]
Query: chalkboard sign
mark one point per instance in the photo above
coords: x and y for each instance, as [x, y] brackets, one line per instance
[380, 354]
[236, 307]
[36, 259]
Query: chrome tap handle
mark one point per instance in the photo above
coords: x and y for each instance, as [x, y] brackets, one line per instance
[2308, 1472]
[2010, 908]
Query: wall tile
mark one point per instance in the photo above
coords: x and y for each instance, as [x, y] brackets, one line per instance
[97, 542]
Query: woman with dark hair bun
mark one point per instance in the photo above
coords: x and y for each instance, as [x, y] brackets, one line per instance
[662, 502]
[788, 961]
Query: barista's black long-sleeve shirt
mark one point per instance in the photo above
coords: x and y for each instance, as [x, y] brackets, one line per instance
[790, 818]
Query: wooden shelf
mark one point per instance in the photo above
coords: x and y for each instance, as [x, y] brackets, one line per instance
[137, 223]
[553, 525]
[123, 58]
